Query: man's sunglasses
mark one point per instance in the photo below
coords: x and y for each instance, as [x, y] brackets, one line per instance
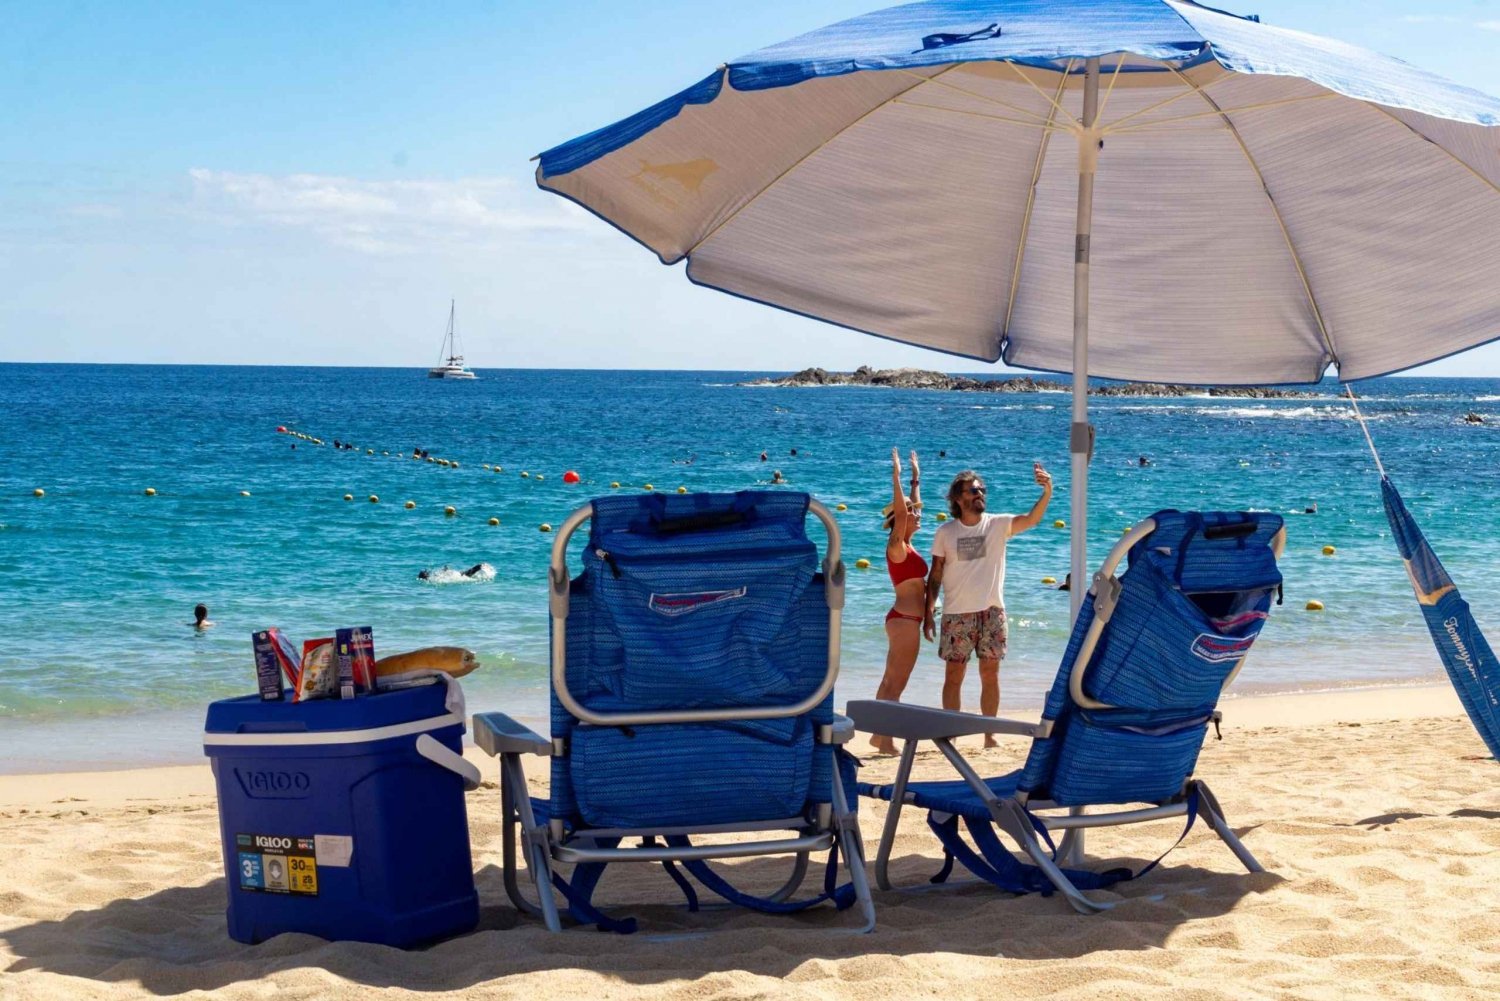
[977, 491]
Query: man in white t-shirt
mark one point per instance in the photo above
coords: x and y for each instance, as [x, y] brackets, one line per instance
[968, 563]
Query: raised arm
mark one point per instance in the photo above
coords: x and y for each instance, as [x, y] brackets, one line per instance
[916, 480]
[1033, 518]
[897, 540]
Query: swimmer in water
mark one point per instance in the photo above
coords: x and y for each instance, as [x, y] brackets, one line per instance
[201, 620]
[776, 476]
[473, 571]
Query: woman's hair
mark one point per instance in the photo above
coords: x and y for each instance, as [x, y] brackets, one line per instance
[957, 487]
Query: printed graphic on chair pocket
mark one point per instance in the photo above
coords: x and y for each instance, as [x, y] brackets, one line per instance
[692, 601]
[1219, 649]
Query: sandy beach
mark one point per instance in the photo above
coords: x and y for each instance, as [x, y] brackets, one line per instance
[1375, 813]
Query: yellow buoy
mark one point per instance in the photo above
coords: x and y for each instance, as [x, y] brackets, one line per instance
[1329, 550]
[485, 466]
[1315, 605]
[546, 527]
[374, 499]
[615, 485]
[244, 493]
[1126, 529]
[348, 497]
[862, 564]
[369, 451]
[430, 459]
[525, 475]
[842, 507]
[499, 469]
[39, 492]
[454, 463]
[682, 490]
[1059, 523]
[942, 516]
[150, 491]
[444, 462]
[494, 522]
[647, 486]
[450, 510]
[539, 476]
[1049, 580]
[410, 505]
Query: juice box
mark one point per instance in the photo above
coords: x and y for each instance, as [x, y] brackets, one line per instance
[354, 651]
[275, 657]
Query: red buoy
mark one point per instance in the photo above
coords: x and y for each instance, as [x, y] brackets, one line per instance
[281, 429]
[571, 477]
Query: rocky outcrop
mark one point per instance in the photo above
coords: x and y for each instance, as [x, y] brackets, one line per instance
[916, 378]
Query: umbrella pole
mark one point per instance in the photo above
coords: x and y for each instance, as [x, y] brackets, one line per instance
[1081, 435]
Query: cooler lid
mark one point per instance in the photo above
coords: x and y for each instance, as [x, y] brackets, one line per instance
[249, 714]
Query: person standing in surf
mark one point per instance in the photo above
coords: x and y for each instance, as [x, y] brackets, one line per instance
[968, 565]
[903, 623]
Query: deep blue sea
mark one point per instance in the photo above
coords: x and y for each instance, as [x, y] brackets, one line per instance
[98, 664]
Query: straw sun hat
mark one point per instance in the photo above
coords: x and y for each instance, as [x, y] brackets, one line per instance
[888, 513]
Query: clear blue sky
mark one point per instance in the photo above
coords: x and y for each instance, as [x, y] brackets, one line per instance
[309, 183]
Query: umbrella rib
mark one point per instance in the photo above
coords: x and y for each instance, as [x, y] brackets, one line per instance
[1056, 102]
[1275, 210]
[1152, 107]
[1456, 159]
[983, 97]
[1044, 125]
[1220, 112]
[1036, 173]
[1119, 65]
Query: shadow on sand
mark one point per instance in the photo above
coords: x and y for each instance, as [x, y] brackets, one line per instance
[175, 941]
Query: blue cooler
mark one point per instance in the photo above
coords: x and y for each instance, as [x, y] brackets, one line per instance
[345, 819]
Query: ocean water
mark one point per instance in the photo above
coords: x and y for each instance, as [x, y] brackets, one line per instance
[98, 664]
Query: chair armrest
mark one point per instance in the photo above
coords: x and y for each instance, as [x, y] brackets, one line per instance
[842, 730]
[909, 722]
[497, 733]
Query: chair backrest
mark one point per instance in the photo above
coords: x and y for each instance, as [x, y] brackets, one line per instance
[1197, 592]
[697, 602]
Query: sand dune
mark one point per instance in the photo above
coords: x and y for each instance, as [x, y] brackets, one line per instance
[1377, 814]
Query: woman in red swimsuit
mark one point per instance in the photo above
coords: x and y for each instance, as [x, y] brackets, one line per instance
[903, 623]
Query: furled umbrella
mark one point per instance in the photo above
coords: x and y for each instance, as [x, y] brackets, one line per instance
[1132, 189]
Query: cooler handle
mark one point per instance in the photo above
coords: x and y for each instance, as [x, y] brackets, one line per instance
[431, 749]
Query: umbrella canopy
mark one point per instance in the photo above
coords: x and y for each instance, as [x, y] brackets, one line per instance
[1234, 203]
[1268, 202]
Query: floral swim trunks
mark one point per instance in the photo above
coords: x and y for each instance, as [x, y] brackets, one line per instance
[964, 633]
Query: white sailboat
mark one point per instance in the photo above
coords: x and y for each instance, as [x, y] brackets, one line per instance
[453, 366]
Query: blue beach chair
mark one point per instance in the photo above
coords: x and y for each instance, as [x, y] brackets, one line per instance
[1123, 723]
[693, 664]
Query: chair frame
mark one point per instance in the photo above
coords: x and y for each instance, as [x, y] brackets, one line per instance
[834, 824]
[1013, 814]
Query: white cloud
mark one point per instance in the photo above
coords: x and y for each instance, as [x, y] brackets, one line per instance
[384, 217]
[1430, 19]
[1488, 25]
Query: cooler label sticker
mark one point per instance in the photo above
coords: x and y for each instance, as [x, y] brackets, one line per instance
[334, 849]
[276, 863]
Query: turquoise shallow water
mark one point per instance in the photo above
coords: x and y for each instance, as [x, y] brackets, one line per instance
[98, 664]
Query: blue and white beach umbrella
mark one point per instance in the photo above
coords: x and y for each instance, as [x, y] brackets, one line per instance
[1135, 189]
